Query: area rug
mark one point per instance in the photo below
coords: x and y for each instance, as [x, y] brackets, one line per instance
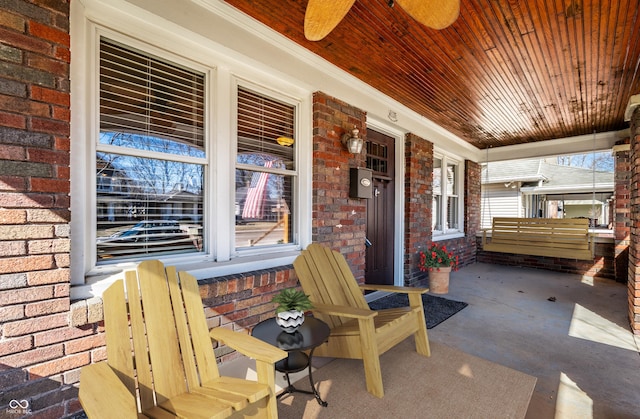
[448, 384]
[436, 309]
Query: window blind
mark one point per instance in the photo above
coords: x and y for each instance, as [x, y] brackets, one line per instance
[142, 94]
[261, 121]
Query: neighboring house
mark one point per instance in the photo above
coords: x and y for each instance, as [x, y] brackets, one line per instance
[536, 188]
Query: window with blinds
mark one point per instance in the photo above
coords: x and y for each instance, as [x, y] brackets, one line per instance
[446, 209]
[151, 156]
[265, 170]
[452, 196]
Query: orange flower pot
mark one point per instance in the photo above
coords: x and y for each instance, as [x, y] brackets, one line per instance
[439, 280]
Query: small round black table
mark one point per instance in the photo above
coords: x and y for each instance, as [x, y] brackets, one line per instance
[311, 334]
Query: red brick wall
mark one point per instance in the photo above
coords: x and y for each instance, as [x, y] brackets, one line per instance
[472, 201]
[634, 246]
[338, 221]
[418, 195]
[418, 202]
[241, 301]
[39, 352]
[466, 247]
[622, 213]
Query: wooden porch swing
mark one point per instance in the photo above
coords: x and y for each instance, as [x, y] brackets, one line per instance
[553, 237]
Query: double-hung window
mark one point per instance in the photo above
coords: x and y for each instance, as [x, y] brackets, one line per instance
[159, 192]
[150, 156]
[446, 212]
[182, 153]
[265, 170]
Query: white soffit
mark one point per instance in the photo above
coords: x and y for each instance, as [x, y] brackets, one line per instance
[564, 146]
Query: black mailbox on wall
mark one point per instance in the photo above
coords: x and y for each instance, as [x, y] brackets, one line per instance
[361, 183]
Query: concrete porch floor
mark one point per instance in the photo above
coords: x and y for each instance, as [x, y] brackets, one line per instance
[579, 346]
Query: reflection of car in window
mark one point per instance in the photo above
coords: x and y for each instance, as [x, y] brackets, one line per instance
[153, 236]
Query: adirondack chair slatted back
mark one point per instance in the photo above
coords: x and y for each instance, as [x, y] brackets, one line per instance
[326, 276]
[160, 359]
[357, 332]
[205, 359]
[118, 344]
[168, 331]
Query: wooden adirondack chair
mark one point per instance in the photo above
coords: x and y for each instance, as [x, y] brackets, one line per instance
[357, 332]
[160, 359]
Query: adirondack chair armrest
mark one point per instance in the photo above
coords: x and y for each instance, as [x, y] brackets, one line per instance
[102, 391]
[392, 288]
[344, 311]
[248, 345]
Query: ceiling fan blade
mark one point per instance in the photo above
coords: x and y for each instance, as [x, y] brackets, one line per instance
[324, 15]
[436, 14]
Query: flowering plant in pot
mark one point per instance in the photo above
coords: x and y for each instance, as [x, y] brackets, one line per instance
[436, 257]
[439, 262]
[292, 304]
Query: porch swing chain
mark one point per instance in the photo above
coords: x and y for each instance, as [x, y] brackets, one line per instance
[593, 184]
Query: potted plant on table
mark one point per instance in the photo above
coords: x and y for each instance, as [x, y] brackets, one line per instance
[292, 304]
[439, 262]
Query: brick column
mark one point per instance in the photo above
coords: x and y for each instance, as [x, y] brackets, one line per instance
[634, 244]
[622, 210]
[472, 209]
[338, 221]
[39, 352]
[418, 194]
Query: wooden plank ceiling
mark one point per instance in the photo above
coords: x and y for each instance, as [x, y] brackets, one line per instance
[506, 72]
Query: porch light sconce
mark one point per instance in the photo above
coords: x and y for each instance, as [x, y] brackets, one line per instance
[352, 142]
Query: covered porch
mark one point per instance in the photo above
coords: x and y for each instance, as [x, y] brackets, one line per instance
[569, 332]
[428, 105]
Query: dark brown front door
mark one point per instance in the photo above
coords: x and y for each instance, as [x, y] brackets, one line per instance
[380, 209]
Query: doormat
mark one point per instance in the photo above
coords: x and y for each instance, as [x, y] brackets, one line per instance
[436, 309]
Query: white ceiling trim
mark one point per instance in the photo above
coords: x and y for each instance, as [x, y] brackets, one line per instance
[563, 146]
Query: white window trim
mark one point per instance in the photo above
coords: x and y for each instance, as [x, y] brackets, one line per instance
[459, 163]
[157, 37]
